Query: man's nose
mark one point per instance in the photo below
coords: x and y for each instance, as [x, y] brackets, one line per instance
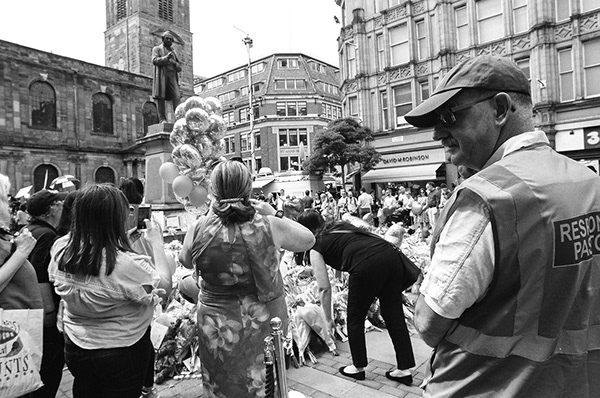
[439, 133]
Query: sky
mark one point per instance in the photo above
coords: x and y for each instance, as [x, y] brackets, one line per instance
[75, 29]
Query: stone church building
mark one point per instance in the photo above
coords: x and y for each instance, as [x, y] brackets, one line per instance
[60, 115]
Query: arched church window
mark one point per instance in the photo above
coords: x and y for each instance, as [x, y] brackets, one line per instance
[104, 174]
[149, 115]
[102, 115]
[43, 176]
[43, 105]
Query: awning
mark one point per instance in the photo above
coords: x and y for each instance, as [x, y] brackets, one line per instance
[258, 184]
[406, 173]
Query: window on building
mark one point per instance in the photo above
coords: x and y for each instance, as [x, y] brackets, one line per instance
[351, 59]
[121, 9]
[399, 44]
[283, 138]
[331, 112]
[228, 117]
[258, 163]
[489, 20]
[149, 115]
[43, 105]
[256, 87]
[317, 67]
[565, 75]
[291, 108]
[257, 141]
[520, 21]
[423, 91]
[245, 114]
[43, 175]
[102, 114]
[104, 175]
[353, 106]
[591, 67]
[215, 83]
[402, 102]
[563, 9]
[422, 47]
[293, 137]
[385, 111]
[229, 144]
[287, 63]
[244, 142]
[435, 38]
[381, 64]
[226, 97]
[588, 5]
[258, 68]
[463, 35]
[290, 84]
[523, 64]
[244, 91]
[287, 163]
[235, 76]
[165, 10]
[328, 88]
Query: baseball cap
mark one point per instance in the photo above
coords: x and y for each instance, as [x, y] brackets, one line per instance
[484, 72]
[40, 202]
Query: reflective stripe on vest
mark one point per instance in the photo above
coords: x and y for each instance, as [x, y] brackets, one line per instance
[544, 296]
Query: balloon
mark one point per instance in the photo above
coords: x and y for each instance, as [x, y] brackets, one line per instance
[180, 134]
[205, 146]
[196, 102]
[180, 111]
[197, 119]
[417, 208]
[168, 172]
[190, 156]
[214, 104]
[182, 186]
[217, 127]
[198, 195]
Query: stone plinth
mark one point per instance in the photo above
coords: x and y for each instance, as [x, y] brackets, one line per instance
[158, 151]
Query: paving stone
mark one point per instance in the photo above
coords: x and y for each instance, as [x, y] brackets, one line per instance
[359, 391]
[393, 391]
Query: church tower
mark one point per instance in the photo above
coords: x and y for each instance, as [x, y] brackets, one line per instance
[133, 27]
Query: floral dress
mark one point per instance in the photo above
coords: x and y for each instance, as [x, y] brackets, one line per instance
[241, 291]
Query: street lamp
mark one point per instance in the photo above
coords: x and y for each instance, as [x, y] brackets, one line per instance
[248, 43]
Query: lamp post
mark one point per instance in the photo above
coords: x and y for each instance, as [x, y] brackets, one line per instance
[248, 43]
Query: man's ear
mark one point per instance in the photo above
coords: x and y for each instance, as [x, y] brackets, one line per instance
[503, 104]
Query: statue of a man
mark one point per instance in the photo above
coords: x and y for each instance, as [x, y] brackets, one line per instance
[166, 75]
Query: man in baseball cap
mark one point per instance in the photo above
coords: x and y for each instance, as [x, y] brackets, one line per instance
[45, 209]
[510, 300]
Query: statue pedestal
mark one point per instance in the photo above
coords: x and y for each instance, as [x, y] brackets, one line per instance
[165, 207]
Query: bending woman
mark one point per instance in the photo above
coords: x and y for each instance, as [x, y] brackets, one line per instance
[235, 252]
[108, 292]
[376, 271]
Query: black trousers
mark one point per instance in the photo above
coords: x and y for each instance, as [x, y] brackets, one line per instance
[53, 362]
[379, 276]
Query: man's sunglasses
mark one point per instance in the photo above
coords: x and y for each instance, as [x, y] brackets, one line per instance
[447, 115]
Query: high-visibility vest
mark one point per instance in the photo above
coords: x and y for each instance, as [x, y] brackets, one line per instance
[543, 303]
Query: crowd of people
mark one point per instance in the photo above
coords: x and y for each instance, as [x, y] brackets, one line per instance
[509, 301]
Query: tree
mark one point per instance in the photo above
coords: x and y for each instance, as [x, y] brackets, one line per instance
[341, 143]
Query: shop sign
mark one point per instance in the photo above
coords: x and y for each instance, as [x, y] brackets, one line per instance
[591, 137]
[412, 158]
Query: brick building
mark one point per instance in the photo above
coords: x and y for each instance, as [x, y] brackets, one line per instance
[60, 115]
[394, 52]
[293, 96]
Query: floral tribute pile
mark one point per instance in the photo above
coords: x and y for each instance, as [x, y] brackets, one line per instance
[177, 352]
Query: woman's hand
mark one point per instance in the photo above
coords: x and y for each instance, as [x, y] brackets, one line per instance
[24, 242]
[263, 208]
[153, 232]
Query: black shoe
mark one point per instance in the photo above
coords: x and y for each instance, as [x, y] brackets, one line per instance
[406, 380]
[356, 376]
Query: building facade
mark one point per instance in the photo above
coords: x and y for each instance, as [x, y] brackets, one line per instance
[292, 97]
[60, 115]
[393, 53]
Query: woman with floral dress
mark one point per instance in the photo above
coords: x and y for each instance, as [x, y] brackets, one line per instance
[235, 250]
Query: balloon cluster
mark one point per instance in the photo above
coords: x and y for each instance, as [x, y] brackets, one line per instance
[197, 140]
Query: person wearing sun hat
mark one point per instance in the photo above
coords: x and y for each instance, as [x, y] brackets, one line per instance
[511, 300]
